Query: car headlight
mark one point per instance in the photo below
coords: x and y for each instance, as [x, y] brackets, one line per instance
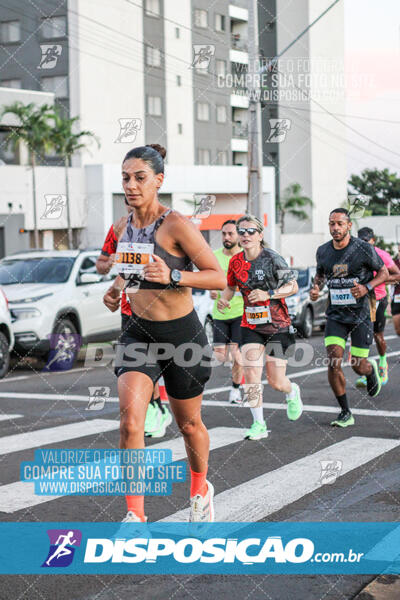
[25, 313]
[29, 300]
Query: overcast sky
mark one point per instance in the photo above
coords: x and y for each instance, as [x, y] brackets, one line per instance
[372, 38]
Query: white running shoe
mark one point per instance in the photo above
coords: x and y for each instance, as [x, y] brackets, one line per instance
[202, 507]
[132, 517]
[235, 397]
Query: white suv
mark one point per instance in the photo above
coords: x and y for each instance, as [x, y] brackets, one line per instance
[6, 335]
[60, 292]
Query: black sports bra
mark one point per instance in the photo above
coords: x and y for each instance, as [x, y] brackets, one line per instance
[146, 235]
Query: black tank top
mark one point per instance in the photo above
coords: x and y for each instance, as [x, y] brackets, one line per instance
[146, 235]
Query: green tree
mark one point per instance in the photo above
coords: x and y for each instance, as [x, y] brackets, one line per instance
[381, 187]
[66, 141]
[34, 130]
[293, 203]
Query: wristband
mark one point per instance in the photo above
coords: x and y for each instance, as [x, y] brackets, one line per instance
[369, 287]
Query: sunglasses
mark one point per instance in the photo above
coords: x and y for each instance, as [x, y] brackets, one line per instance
[249, 230]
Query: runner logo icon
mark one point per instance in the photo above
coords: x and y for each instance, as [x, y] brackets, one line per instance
[62, 547]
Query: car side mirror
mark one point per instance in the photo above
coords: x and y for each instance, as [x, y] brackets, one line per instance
[90, 278]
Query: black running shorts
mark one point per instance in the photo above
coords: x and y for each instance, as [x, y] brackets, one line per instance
[395, 308]
[280, 345]
[177, 350]
[226, 331]
[361, 334]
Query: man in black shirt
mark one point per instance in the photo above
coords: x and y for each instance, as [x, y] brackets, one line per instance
[347, 265]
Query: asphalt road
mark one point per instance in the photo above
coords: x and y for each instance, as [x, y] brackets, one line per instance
[368, 491]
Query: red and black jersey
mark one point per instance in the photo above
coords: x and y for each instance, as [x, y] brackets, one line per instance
[110, 247]
[268, 271]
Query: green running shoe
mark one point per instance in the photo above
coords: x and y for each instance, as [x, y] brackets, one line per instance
[373, 380]
[344, 419]
[152, 421]
[257, 431]
[383, 374]
[165, 420]
[294, 404]
[361, 382]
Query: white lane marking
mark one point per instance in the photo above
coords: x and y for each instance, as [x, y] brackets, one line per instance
[8, 417]
[54, 435]
[259, 497]
[44, 374]
[19, 495]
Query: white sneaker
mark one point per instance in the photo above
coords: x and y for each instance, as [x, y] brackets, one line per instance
[132, 517]
[132, 526]
[235, 396]
[202, 507]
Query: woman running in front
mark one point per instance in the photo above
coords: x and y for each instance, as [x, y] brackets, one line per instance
[165, 246]
[264, 280]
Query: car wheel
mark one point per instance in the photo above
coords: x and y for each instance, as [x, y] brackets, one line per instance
[306, 327]
[208, 328]
[4, 355]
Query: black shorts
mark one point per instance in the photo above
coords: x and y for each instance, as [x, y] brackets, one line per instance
[361, 336]
[177, 350]
[226, 331]
[395, 308]
[380, 319]
[280, 345]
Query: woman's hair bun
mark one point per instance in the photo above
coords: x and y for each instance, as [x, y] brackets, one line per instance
[159, 149]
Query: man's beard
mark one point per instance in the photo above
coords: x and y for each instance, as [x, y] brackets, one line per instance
[228, 245]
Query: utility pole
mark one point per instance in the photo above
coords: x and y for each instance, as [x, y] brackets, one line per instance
[254, 193]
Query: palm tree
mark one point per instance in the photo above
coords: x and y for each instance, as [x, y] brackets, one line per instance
[34, 130]
[293, 203]
[66, 142]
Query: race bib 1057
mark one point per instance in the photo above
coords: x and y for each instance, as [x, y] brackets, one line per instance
[258, 315]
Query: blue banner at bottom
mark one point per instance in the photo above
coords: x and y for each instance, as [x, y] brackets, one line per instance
[216, 548]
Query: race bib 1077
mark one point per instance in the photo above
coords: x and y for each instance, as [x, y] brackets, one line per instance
[342, 297]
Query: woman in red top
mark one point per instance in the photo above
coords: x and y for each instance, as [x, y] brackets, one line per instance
[265, 280]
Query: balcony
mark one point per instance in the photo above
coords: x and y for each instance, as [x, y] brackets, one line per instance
[238, 42]
[240, 130]
[238, 11]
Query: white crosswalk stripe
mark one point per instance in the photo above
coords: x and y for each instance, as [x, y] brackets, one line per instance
[54, 435]
[268, 493]
[10, 417]
[18, 495]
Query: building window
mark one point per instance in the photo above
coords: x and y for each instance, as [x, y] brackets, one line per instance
[177, 33]
[180, 128]
[10, 32]
[154, 106]
[203, 111]
[153, 57]
[57, 85]
[153, 8]
[219, 22]
[11, 83]
[54, 27]
[178, 80]
[200, 18]
[221, 114]
[222, 157]
[220, 67]
[204, 156]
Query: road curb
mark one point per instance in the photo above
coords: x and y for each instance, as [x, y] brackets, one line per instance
[384, 587]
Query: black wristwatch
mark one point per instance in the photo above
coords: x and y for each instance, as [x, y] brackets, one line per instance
[175, 277]
[271, 294]
[369, 287]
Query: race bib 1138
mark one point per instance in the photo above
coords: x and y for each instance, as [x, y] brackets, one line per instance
[131, 257]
